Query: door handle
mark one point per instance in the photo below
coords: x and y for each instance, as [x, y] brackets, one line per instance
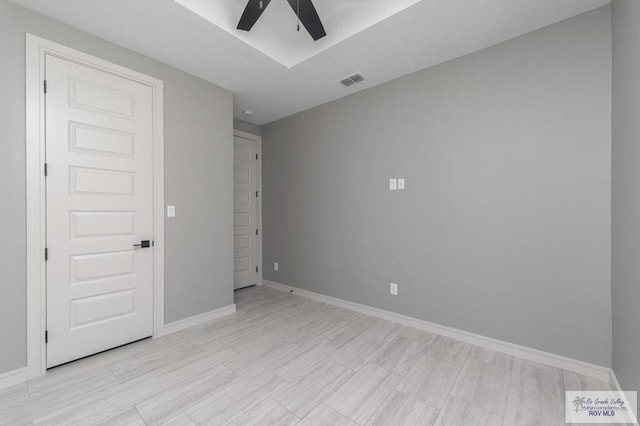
[144, 244]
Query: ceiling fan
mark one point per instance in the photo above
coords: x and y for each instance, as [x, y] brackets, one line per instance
[304, 9]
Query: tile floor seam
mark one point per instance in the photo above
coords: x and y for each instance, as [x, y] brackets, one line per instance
[303, 326]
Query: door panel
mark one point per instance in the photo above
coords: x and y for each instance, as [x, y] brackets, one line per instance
[99, 140]
[92, 266]
[95, 182]
[91, 310]
[99, 145]
[245, 212]
[89, 224]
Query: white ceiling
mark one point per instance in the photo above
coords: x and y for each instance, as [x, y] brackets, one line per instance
[425, 34]
[275, 32]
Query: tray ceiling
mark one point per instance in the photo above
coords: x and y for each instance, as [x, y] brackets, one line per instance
[275, 32]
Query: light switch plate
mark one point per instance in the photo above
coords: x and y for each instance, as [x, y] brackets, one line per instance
[393, 289]
[393, 184]
[171, 211]
[276, 266]
[401, 183]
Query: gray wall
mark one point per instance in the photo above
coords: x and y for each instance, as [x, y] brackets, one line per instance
[244, 126]
[626, 192]
[504, 228]
[198, 156]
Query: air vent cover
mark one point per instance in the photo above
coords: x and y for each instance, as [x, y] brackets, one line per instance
[352, 79]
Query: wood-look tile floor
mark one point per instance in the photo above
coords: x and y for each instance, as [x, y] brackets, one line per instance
[282, 359]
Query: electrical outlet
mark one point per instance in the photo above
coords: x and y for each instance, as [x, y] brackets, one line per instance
[393, 289]
[401, 183]
[393, 184]
[276, 267]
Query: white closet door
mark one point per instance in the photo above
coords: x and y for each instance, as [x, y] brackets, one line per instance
[245, 212]
[99, 142]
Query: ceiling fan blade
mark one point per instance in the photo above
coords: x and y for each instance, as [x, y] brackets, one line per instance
[252, 13]
[309, 18]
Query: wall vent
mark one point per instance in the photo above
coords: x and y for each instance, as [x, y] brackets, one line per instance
[352, 79]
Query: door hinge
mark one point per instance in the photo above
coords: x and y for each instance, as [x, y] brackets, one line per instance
[256, 194]
[46, 169]
[45, 86]
[46, 336]
[256, 156]
[46, 254]
[256, 269]
[256, 232]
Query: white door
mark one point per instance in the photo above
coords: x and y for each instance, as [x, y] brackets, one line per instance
[245, 212]
[99, 145]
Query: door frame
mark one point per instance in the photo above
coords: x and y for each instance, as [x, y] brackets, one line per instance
[258, 140]
[36, 49]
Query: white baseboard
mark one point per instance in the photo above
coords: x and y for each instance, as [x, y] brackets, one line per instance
[616, 386]
[197, 320]
[530, 354]
[13, 377]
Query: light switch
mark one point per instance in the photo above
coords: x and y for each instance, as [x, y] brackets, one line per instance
[171, 211]
[401, 183]
[393, 184]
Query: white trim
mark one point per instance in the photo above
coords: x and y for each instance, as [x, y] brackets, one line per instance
[198, 319]
[13, 377]
[36, 49]
[616, 384]
[258, 140]
[541, 357]
[614, 381]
